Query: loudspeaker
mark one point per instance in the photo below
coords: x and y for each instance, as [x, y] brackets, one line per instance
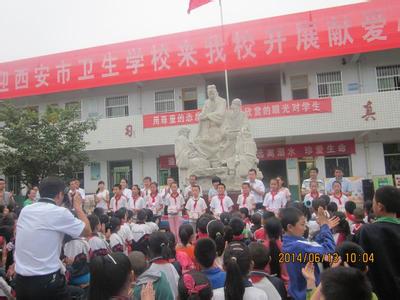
[368, 189]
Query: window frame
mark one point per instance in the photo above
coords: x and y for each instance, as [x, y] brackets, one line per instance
[386, 77]
[328, 84]
[306, 87]
[348, 157]
[113, 106]
[189, 100]
[164, 101]
[78, 115]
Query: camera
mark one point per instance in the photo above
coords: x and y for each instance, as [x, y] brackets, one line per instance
[308, 203]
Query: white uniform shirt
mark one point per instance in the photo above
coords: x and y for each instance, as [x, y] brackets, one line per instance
[102, 196]
[174, 204]
[275, 202]
[115, 240]
[259, 186]
[155, 204]
[196, 208]
[115, 205]
[249, 204]
[139, 230]
[127, 193]
[306, 186]
[216, 206]
[187, 192]
[340, 201]
[82, 193]
[145, 192]
[40, 233]
[75, 247]
[136, 204]
[96, 243]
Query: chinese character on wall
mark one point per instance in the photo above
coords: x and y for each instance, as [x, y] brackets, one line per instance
[369, 113]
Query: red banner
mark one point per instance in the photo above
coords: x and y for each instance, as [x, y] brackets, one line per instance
[356, 28]
[254, 111]
[167, 161]
[303, 150]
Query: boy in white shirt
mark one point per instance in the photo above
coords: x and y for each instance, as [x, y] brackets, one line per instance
[196, 206]
[221, 203]
[274, 200]
[118, 200]
[338, 197]
[187, 192]
[175, 203]
[146, 186]
[245, 199]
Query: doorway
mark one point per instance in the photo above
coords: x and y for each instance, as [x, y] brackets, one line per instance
[272, 169]
[119, 170]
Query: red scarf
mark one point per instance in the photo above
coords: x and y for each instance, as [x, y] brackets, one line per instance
[176, 195]
[153, 198]
[116, 201]
[134, 200]
[273, 194]
[221, 200]
[256, 278]
[195, 204]
[316, 194]
[245, 199]
[339, 199]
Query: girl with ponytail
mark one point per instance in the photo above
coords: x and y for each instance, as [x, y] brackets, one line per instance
[216, 232]
[237, 264]
[160, 253]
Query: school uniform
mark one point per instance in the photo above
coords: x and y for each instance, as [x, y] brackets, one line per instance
[262, 280]
[310, 197]
[305, 186]
[195, 208]
[259, 186]
[155, 203]
[187, 192]
[136, 203]
[117, 244]
[40, 229]
[127, 193]
[118, 202]
[175, 203]
[144, 192]
[77, 250]
[98, 246]
[250, 293]
[220, 204]
[274, 201]
[247, 201]
[169, 271]
[340, 200]
[102, 200]
[125, 233]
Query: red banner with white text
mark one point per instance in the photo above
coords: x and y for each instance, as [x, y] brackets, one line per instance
[282, 152]
[254, 111]
[357, 28]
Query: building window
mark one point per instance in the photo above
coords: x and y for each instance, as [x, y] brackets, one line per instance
[332, 162]
[76, 105]
[164, 101]
[299, 85]
[388, 78]
[392, 158]
[329, 84]
[189, 98]
[117, 106]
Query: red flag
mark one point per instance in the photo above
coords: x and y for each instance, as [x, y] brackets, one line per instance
[196, 3]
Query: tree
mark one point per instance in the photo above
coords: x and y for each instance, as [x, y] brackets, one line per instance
[34, 146]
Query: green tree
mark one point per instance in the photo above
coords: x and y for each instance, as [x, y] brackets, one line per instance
[33, 145]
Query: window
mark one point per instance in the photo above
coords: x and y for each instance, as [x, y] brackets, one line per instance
[117, 106]
[388, 78]
[75, 105]
[189, 98]
[343, 162]
[329, 84]
[392, 158]
[164, 101]
[299, 84]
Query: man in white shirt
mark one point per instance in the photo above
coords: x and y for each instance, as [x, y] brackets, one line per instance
[305, 186]
[80, 190]
[257, 188]
[40, 232]
[346, 184]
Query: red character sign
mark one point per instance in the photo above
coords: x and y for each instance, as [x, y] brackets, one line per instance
[129, 130]
[369, 113]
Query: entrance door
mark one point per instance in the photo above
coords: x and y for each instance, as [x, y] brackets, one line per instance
[119, 170]
[272, 169]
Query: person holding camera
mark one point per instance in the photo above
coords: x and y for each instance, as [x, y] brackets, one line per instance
[40, 231]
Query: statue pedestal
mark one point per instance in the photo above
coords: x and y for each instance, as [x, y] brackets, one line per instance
[232, 182]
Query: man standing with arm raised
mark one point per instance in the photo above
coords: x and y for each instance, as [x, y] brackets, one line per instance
[40, 232]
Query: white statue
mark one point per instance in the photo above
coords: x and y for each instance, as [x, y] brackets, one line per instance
[223, 147]
[211, 118]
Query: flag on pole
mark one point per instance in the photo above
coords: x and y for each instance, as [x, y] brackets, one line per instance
[196, 3]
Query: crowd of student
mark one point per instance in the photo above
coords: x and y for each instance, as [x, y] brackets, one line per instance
[143, 243]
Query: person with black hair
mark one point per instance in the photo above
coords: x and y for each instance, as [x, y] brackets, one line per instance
[221, 203]
[225, 218]
[30, 197]
[213, 189]
[97, 245]
[150, 220]
[145, 191]
[102, 196]
[257, 188]
[136, 202]
[143, 276]
[195, 206]
[154, 201]
[186, 236]
[341, 232]
[205, 252]
[305, 186]
[246, 199]
[40, 231]
[175, 204]
[118, 200]
[104, 219]
[273, 229]
[272, 285]
[140, 232]
[76, 252]
[332, 208]
[274, 200]
[187, 192]
[6, 198]
[172, 256]
[260, 233]
[160, 253]
[216, 232]
[238, 226]
[117, 243]
[338, 196]
[382, 240]
[110, 277]
[124, 231]
[338, 283]
[369, 212]
[237, 264]
[349, 208]
[358, 221]
[344, 182]
[255, 222]
[201, 225]
[294, 225]
[194, 286]
[312, 195]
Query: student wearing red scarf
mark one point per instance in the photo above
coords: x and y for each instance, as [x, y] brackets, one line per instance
[338, 197]
[175, 202]
[245, 199]
[221, 203]
[275, 199]
[118, 200]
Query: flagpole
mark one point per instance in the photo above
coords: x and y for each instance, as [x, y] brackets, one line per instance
[223, 40]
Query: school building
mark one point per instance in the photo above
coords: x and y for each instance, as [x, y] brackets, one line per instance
[319, 91]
